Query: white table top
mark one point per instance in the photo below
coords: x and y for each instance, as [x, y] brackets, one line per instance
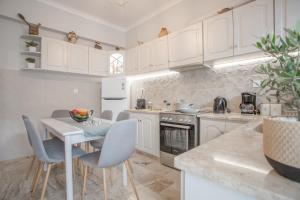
[67, 126]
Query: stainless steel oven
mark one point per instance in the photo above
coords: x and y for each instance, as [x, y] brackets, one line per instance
[178, 134]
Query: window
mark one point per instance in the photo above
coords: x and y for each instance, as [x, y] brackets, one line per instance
[116, 63]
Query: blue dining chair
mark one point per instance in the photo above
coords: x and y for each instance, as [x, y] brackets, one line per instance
[48, 153]
[118, 146]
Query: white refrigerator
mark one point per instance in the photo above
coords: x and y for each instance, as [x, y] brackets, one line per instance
[115, 95]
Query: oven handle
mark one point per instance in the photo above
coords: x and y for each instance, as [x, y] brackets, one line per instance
[175, 126]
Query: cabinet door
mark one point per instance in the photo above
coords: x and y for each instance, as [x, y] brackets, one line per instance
[185, 47]
[231, 125]
[54, 55]
[210, 129]
[145, 57]
[218, 36]
[78, 59]
[98, 62]
[251, 22]
[132, 60]
[150, 132]
[159, 53]
[139, 138]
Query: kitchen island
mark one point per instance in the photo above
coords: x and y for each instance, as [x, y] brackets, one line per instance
[233, 167]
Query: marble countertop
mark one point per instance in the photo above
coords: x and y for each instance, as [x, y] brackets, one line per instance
[236, 160]
[230, 116]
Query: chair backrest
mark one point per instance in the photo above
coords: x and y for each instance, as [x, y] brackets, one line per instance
[60, 114]
[124, 115]
[35, 140]
[106, 114]
[119, 143]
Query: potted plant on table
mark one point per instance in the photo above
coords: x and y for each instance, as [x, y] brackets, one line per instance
[281, 135]
[32, 46]
[30, 62]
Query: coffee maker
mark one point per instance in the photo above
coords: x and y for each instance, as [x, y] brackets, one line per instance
[248, 105]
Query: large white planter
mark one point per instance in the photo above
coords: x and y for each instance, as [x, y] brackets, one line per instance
[281, 143]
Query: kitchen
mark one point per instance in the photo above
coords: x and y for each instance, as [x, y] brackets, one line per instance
[206, 50]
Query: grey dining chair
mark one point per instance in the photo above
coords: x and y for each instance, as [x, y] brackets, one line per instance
[48, 152]
[55, 114]
[97, 144]
[118, 146]
[60, 114]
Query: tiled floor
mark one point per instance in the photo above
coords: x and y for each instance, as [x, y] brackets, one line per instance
[153, 180]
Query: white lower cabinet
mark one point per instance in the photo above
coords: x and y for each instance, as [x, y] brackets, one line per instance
[212, 128]
[147, 138]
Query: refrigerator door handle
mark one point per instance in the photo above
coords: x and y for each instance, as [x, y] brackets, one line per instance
[114, 98]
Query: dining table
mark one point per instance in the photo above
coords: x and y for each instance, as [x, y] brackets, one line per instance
[71, 133]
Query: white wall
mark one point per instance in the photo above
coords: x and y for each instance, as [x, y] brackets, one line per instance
[32, 93]
[59, 20]
[177, 17]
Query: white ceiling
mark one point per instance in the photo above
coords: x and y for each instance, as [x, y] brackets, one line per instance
[108, 12]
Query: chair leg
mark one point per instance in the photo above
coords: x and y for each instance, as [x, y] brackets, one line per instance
[84, 182]
[36, 178]
[131, 179]
[110, 175]
[30, 167]
[104, 185]
[130, 166]
[46, 181]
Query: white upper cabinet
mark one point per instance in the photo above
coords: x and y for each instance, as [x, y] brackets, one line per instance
[154, 55]
[251, 22]
[159, 53]
[78, 58]
[98, 62]
[54, 55]
[185, 46]
[145, 57]
[132, 60]
[218, 36]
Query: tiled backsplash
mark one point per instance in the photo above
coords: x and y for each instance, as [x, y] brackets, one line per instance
[199, 87]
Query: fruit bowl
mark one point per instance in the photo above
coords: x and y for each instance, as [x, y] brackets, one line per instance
[80, 115]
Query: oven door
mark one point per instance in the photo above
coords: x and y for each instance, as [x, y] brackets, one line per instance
[176, 138]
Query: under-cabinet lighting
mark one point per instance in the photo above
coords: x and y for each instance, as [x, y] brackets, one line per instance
[151, 75]
[243, 62]
[241, 165]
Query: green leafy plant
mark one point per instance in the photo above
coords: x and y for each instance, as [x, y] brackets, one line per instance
[283, 73]
[30, 60]
[31, 44]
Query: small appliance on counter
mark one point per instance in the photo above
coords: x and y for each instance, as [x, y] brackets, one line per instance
[220, 105]
[141, 102]
[248, 105]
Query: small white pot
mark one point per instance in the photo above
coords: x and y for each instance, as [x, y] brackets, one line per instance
[32, 49]
[275, 110]
[265, 109]
[30, 65]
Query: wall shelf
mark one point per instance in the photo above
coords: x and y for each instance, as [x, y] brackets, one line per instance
[31, 37]
[30, 53]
